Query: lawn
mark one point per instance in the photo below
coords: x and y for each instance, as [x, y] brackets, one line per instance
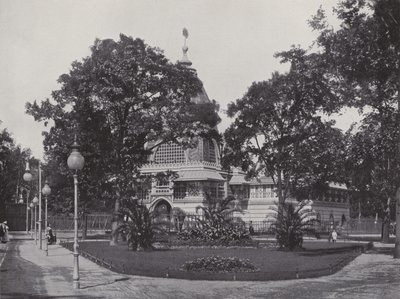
[319, 258]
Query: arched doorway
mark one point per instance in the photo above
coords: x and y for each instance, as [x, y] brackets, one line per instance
[162, 210]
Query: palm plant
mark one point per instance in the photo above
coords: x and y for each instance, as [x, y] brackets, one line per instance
[217, 213]
[216, 221]
[179, 216]
[139, 226]
[291, 222]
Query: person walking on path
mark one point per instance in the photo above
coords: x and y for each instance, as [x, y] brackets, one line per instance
[4, 232]
[334, 236]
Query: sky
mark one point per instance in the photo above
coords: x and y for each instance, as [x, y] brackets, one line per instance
[231, 44]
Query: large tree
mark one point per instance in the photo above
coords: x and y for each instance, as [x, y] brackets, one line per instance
[12, 165]
[278, 130]
[372, 165]
[124, 100]
[7, 169]
[363, 56]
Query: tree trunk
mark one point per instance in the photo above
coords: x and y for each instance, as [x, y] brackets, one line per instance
[114, 225]
[386, 223]
[385, 229]
[396, 254]
[279, 191]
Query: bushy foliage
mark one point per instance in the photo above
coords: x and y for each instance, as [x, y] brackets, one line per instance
[216, 223]
[230, 236]
[291, 224]
[217, 213]
[219, 264]
[139, 226]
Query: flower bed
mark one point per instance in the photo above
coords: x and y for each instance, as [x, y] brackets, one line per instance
[219, 264]
[211, 243]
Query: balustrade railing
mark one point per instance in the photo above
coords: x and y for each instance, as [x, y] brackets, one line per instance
[162, 190]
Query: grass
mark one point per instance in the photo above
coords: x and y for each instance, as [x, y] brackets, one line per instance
[318, 259]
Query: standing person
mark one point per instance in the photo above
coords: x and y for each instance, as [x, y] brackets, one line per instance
[4, 232]
[251, 228]
[334, 236]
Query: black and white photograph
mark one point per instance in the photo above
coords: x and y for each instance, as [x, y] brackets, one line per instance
[200, 149]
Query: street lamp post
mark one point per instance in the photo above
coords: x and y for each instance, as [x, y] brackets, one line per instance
[75, 162]
[40, 208]
[28, 211]
[27, 178]
[46, 192]
[31, 205]
[35, 203]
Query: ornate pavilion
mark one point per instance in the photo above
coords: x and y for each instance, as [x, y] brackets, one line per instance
[199, 173]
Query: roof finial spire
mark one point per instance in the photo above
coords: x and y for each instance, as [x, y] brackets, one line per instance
[185, 60]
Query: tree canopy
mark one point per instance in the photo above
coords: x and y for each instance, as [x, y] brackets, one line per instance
[278, 129]
[12, 166]
[363, 56]
[123, 100]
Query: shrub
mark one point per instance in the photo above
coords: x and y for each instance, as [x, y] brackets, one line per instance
[139, 226]
[219, 264]
[291, 223]
[187, 240]
[216, 223]
[223, 235]
[217, 213]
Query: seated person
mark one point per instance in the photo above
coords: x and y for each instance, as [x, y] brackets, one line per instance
[51, 238]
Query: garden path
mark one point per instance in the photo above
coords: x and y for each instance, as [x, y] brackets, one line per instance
[26, 271]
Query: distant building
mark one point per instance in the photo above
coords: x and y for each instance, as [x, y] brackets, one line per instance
[257, 197]
[199, 173]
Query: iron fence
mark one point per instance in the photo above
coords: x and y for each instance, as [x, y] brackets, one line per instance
[102, 222]
[363, 226]
[93, 222]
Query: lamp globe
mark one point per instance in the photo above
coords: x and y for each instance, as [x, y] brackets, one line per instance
[27, 175]
[75, 160]
[46, 189]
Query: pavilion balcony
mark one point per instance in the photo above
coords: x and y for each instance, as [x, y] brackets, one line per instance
[163, 166]
[166, 190]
